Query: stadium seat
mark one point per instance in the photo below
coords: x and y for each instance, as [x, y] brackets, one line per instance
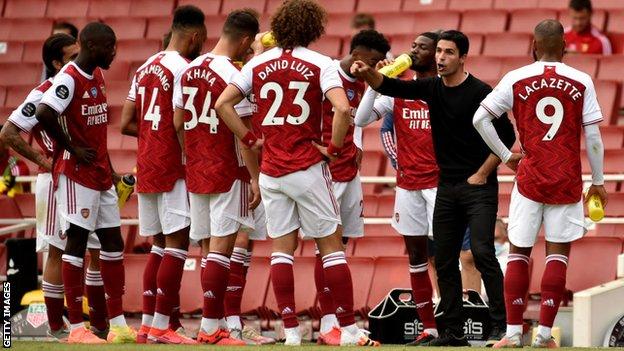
[525, 20]
[611, 67]
[230, 5]
[379, 246]
[617, 42]
[463, 5]
[484, 21]
[506, 44]
[21, 29]
[151, 8]
[400, 23]
[385, 206]
[437, 20]
[390, 272]
[25, 8]
[370, 205]
[362, 269]
[514, 62]
[157, 27]
[608, 4]
[593, 261]
[137, 50]
[484, 67]
[615, 207]
[503, 204]
[554, 4]
[420, 6]
[613, 161]
[608, 97]
[599, 18]
[114, 113]
[401, 43]
[615, 230]
[134, 265]
[119, 70]
[584, 63]
[113, 138]
[11, 52]
[191, 286]
[32, 52]
[117, 92]
[257, 285]
[371, 139]
[209, 7]
[26, 204]
[328, 45]
[105, 8]
[67, 8]
[3, 94]
[29, 74]
[339, 24]
[16, 94]
[305, 293]
[127, 29]
[374, 230]
[123, 161]
[514, 5]
[373, 6]
[373, 162]
[214, 25]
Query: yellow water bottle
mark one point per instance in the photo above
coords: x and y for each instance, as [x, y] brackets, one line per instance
[268, 40]
[595, 209]
[400, 65]
[124, 188]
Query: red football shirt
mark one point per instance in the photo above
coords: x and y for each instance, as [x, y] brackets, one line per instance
[416, 162]
[288, 88]
[590, 41]
[213, 160]
[80, 99]
[550, 102]
[344, 169]
[159, 156]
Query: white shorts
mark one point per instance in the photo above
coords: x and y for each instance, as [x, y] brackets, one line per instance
[259, 231]
[85, 207]
[413, 211]
[350, 200]
[303, 199]
[562, 223]
[220, 214]
[48, 232]
[164, 213]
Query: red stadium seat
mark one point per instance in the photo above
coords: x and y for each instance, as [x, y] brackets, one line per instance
[370, 204]
[476, 44]
[230, 5]
[134, 265]
[362, 269]
[191, 286]
[613, 161]
[419, 6]
[209, 7]
[484, 67]
[105, 8]
[507, 44]
[151, 8]
[385, 206]
[584, 63]
[257, 285]
[123, 161]
[119, 70]
[514, 62]
[16, 94]
[437, 20]
[25, 8]
[617, 42]
[401, 23]
[525, 20]
[390, 273]
[615, 207]
[79, 22]
[374, 230]
[402, 43]
[126, 29]
[616, 22]
[12, 52]
[32, 52]
[462, 5]
[373, 6]
[114, 138]
[593, 261]
[67, 8]
[379, 246]
[611, 67]
[514, 5]
[503, 205]
[554, 4]
[114, 113]
[599, 18]
[608, 4]
[5, 29]
[28, 30]
[339, 24]
[305, 293]
[214, 25]
[484, 21]
[137, 50]
[157, 27]
[26, 204]
[371, 139]
[3, 94]
[372, 163]
[615, 230]
[116, 92]
[27, 74]
[328, 45]
[608, 97]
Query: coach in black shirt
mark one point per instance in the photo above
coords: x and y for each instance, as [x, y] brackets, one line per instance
[468, 189]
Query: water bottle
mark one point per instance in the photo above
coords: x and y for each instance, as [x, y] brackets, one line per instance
[124, 188]
[595, 209]
[400, 65]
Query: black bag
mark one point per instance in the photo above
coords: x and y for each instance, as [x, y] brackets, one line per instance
[395, 320]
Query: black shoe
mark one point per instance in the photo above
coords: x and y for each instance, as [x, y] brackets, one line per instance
[496, 334]
[448, 339]
[423, 339]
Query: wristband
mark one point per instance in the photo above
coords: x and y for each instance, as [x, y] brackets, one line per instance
[333, 149]
[249, 139]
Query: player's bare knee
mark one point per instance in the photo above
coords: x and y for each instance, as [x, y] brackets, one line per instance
[158, 240]
[94, 262]
[286, 244]
[178, 240]
[110, 239]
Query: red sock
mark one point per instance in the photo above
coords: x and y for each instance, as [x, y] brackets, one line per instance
[322, 291]
[338, 279]
[149, 279]
[214, 283]
[54, 301]
[283, 281]
[516, 287]
[73, 282]
[169, 279]
[236, 283]
[553, 288]
[97, 301]
[113, 275]
[422, 293]
[174, 319]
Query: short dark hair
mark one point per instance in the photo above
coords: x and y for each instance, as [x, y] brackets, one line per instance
[460, 39]
[435, 36]
[361, 20]
[53, 49]
[371, 39]
[240, 23]
[187, 16]
[73, 31]
[95, 30]
[580, 5]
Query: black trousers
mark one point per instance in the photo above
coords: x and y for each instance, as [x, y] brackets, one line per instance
[458, 206]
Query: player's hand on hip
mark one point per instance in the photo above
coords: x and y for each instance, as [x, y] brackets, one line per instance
[257, 146]
[600, 191]
[254, 199]
[513, 161]
[477, 179]
[323, 150]
[84, 155]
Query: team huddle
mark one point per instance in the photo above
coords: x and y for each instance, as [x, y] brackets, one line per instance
[246, 141]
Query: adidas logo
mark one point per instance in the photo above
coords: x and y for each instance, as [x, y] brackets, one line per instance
[287, 310]
[148, 293]
[518, 301]
[79, 299]
[106, 296]
[340, 310]
[233, 288]
[422, 304]
[549, 303]
[326, 289]
[85, 95]
[209, 295]
[159, 292]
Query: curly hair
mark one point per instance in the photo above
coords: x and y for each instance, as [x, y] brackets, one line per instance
[298, 23]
